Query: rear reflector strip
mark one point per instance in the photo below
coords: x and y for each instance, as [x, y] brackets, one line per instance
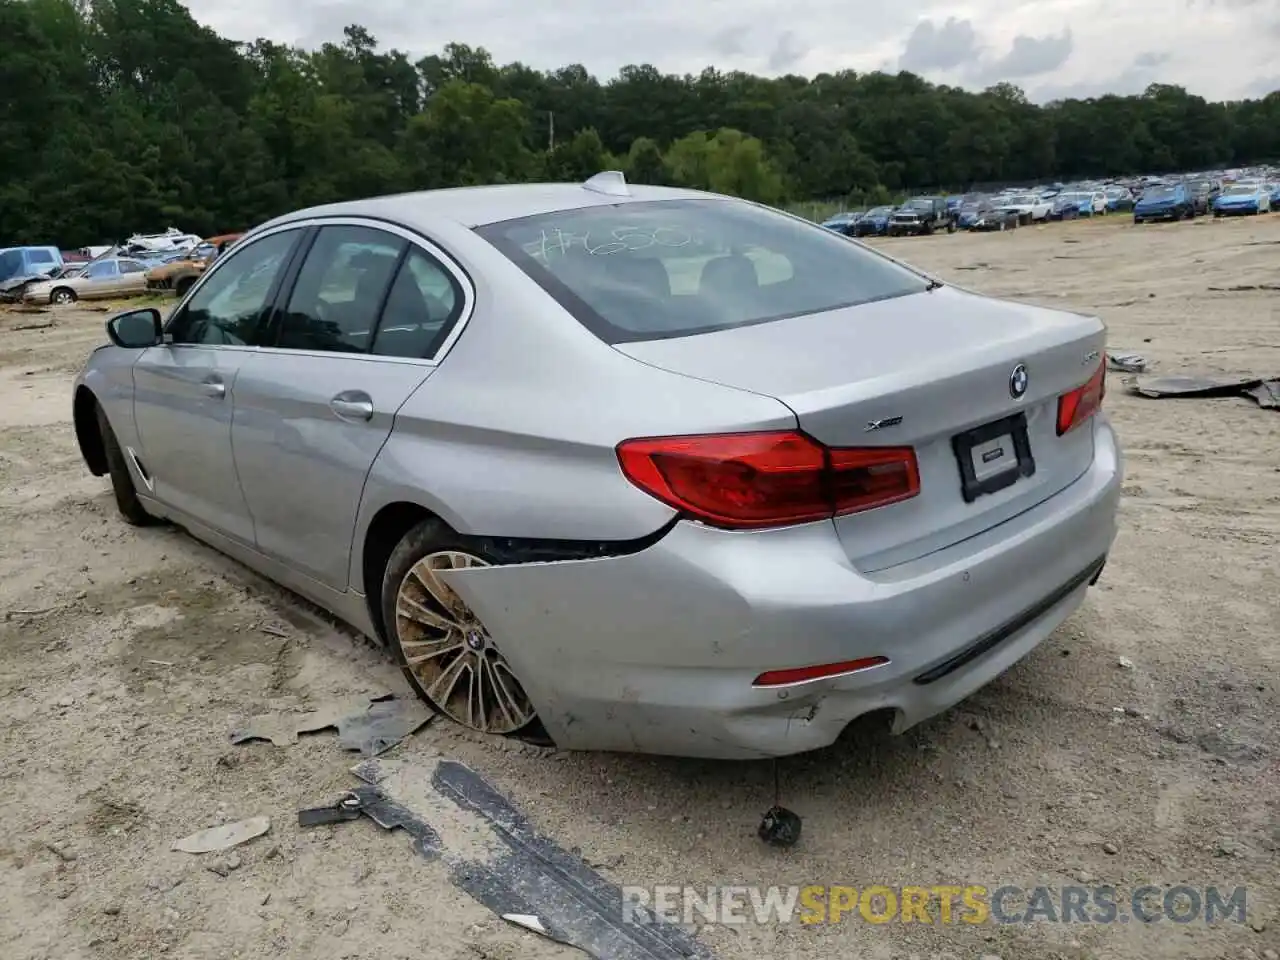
[782, 678]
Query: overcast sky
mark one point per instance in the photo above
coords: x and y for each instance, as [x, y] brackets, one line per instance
[1221, 49]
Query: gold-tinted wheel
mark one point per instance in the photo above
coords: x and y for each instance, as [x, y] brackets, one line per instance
[449, 654]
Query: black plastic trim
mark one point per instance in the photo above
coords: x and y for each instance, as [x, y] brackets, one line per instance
[963, 443]
[996, 637]
[513, 550]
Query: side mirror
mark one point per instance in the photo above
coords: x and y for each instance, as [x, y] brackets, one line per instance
[137, 329]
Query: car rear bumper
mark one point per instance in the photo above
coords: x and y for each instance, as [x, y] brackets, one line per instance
[657, 651]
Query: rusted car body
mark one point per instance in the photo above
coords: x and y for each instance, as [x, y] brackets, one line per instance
[177, 277]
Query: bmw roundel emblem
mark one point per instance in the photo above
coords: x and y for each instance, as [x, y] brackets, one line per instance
[1018, 381]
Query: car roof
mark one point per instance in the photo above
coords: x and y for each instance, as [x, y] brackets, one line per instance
[478, 206]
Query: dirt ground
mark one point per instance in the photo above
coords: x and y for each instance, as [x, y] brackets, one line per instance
[1138, 745]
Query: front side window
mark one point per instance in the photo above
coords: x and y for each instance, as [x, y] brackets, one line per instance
[230, 308]
[102, 270]
[340, 290]
[673, 268]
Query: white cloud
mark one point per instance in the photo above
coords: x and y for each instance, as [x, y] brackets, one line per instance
[1217, 48]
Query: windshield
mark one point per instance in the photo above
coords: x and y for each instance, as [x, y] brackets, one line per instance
[918, 203]
[879, 211]
[1158, 193]
[673, 268]
[1023, 199]
[1240, 190]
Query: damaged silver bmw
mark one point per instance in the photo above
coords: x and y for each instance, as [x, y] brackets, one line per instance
[626, 468]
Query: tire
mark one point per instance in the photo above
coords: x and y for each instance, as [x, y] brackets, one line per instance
[951, 226]
[432, 544]
[183, 285]
[127, 501]
[63, 295]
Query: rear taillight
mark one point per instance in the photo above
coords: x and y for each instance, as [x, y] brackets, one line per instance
[1077, 406]
[744, 480]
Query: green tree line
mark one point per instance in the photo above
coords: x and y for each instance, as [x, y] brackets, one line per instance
[124, 115]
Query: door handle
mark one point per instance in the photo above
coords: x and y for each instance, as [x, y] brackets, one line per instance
[214, 387]
[352, 405]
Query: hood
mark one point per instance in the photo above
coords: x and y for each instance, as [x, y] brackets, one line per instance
[1237, 198]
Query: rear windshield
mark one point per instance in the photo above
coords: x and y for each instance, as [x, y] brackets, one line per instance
[673, 268]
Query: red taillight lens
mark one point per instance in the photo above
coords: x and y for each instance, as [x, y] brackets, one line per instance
[743, 480]
[1083, 402]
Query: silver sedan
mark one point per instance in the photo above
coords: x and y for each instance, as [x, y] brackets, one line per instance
[628, 468]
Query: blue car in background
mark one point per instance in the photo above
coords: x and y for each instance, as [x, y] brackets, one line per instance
[18, 262]
[1071, 206]
[843, 222]
[1243, 199]
[873, 223]
[1118, 199]
[1164, 202]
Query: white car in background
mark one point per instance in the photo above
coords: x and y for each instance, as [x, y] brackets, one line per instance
[1029, 207]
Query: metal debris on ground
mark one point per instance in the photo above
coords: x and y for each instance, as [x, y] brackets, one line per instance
[523, 877]
[223, 837]
[1265, 391]
[373, 803]
[1127, 362]
[370, 724]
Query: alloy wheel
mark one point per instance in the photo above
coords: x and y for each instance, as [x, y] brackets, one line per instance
[450, 653]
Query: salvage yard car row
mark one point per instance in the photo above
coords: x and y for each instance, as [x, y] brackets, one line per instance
[164, 262]
[1230, 194]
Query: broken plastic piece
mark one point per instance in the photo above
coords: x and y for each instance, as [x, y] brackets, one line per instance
[526, 878]
[382, 810]
[526, 920]
[780, 827]
[223, 837]
[1263, 391]
[370, 724]
[348, 808]
[1127, 362]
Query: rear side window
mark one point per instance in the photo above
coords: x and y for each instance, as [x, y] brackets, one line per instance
[673, 268]
[421, 309]
[340, 290]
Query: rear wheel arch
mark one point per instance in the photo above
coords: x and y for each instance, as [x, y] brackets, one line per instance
[386, 530]
[394, 521]
[88, 436]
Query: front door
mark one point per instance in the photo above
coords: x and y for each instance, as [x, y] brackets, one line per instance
[354, 341]
[184, 389]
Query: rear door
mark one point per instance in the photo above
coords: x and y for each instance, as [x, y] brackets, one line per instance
[100, 280]
[133, 277]
[356, 334]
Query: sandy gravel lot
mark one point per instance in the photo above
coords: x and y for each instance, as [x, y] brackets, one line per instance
[127, 656]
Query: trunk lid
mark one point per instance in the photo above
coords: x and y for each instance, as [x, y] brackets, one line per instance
[942, 362]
